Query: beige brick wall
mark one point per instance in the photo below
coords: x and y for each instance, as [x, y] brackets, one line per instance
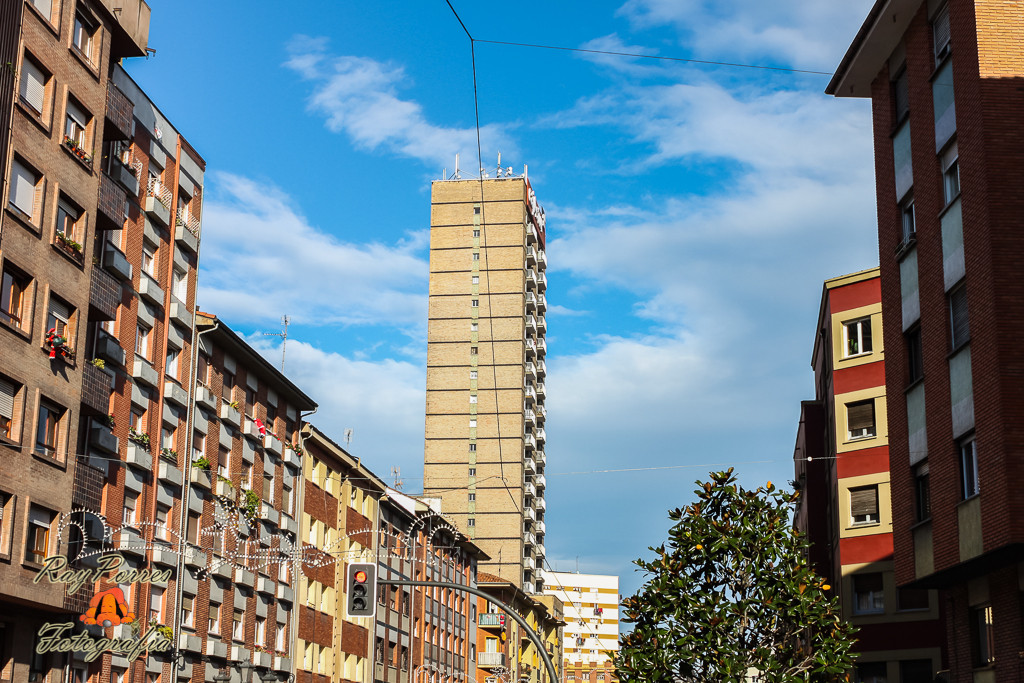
[510, 400]
[458, 353]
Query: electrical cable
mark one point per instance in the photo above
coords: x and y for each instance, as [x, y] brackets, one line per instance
[669, 59]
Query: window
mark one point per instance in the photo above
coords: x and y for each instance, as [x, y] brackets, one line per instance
[475, 303]
[471, 522]
[472, 497]
[142, 342]
[237, 629]
[982, 636]
[48, 428]
[910, 599]
[223, 462]
[58, 318]
[227, 384]
[168, 438]
[476, 256]
[474, 327]
[12, 296]
[198, 445]
[83, 36]
[148, 261]
[960, 325]
[472, 424]
[473, 399]
[45, 8]
[950, 173]
[32, 89]
[472, 374]
[171, 369]
[909, 221]
[203, 370]
[26, 188]
[213, 621]
[915, 355]
[864, 505]
[192, 532]
[187, 613]
[476, 279]
[857, 337]
[861, 419]
[179, 284]
[922, 493]
[37, 664]
[871, 672]
[76, 123]
[940, 33]
[901, 96]
[128, 515]
[279, 641]
[67, 219]
[476, 233]
[8, 391]
[472, 471]
[969, 468]
[472, 448]
[867, 594]
[38, 541]
[250, 403]
[156, 604]
[271, 415]
[162, 528]
[261, 631]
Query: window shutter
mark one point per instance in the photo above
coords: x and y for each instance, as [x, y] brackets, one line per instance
[862, 583]
[77, 114]
[940, 28]
[6, 399]
[861, 415]
[958, 316]
[902, 95]
[45, 7]
[32, 84]
[864, 501]
[39, 517]
[23, 190]
[68, 209]
[60, 309]
[268, 484]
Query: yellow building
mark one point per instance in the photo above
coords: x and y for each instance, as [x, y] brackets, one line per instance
[484, 450]
[592, 624]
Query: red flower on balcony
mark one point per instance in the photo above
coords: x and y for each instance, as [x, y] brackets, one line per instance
[78, 151]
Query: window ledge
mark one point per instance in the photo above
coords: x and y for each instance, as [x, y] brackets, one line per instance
[860, 439]
[967, 500]
[913, 385]
[958, 348]
[923, 522]
[86, 165]
[34, 116]
[85, 61]
[23, 218]
[943, 210]
[75, 257]
[864, 525]
[857, 356]
[942, 63]
[24, 334]
[53, 462]
[33, 566]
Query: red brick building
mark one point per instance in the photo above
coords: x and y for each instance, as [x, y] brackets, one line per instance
[946, 82]
[842, 470]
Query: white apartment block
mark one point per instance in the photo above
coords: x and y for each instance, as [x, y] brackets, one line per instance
[592, 620]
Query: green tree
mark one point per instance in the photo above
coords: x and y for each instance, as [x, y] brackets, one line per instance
[731, 595]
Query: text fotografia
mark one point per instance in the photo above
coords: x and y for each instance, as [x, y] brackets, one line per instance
[106, 609]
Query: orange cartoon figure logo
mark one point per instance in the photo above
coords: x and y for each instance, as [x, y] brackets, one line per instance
[108, 608]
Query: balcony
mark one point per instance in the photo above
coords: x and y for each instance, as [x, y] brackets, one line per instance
[541, 390]
[101, 438]
[531, 256]
[244, 577]
[263, 659]
[282, 664]
[180, 314]
[185, 237]
[158, 202]
[190, 643]
[175, 339]
[531, 466]
[163, 555]
[216, 648]
[239, 654]
[541, 458]
[266, 585]
[531, 233]
[531, 369]
[542, 302]
[529, 441]
[143, 372]
[291, 458]
[541, 481]
[201, 478]
[273, 445]
[542, 324]
[205, 398]
[542, 368]
[529, 514]
[194, 557]
[137, 456]
[531, 348]
[529, 416]
[540, 504]
[539, 528]
[541, 435]
[542, 412]
[490, 660]
[252, 430]
[149, 289]
[116, 263]
[224, 489]
[529, 539]
[529, 489]
[175, 394]
[542, 258]
[531, 324]
[285, 593]
[531, 277]
[269, 514]
[288, 524]
[125, 176]
[538, 550]
[230, 415]
[108, 348]
[169, 474]
[529, 563]
[531, 301]
[531, 393]
[542, 348]
[542, 282]
[490, 619]
[130, 542]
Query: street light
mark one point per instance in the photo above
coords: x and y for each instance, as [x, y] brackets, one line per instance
[247, 668]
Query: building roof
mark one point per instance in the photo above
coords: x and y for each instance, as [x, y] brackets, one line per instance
[876, 40]
[369, 479]
[226, 338]
[485, 581]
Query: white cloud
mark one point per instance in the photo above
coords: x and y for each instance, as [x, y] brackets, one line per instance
[807, 34]
[261, 259]
[359, 97]
[381, 401]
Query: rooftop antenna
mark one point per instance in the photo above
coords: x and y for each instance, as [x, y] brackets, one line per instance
[285, 320]
[458, 173]
[499, 165]
[348, 437]
[396, 472]
[444, 174]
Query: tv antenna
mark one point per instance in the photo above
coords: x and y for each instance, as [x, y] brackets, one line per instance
[396, 472]
[348, 437]
[285, 320]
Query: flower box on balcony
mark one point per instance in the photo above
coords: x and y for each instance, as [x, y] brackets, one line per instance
[216, 648]
[139, 456]
[252, 430]
[169, 474]
[273, 445]
[205, 397]
[230, 415]
[262, 659]
[225, 489]
[150, 290]
[77, 151]
[70, 247]
[201, 478]
[157, 211]
[282, 664]
[190, 642]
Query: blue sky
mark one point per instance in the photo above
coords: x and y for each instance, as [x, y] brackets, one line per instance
[693, 213]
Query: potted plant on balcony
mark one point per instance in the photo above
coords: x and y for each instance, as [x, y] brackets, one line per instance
[110, 420]
[250, 503]
[202, 464]
[98, 362]
[69, 245]
[170, 455]
[139, 438]
[59, 344]
[78, 151]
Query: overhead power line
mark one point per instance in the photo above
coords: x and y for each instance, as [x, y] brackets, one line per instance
[634, 54]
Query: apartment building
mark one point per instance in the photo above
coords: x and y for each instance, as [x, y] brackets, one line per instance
[944, 79]
[236, 598]
[845, 506]
[591, 636]
[60, 108]
[506, 652]
[338, 526]
[484, 453]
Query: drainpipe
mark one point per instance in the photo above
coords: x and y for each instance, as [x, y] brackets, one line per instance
[296, 557]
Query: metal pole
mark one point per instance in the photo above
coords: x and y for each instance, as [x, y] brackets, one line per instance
[479, 593]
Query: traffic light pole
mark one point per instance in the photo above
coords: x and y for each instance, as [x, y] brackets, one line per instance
[479, 593]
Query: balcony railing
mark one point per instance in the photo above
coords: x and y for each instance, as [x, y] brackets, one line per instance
[531, 256]
[542, 282]
[531, 369]
[529, 539]
[540, 504]
[542, 347]
[531, 466]
[541, 389]
[542, 368]
[542, 302]
[531, 347]
[490, 619]
[529, 514]
[529, 415]
[540, 480]
[531, 300]
[490, 660]
[531, 324]
[531, 232]
[187, 221]
[529, 489]
[541, 458]
[541, 435]
[156, 189]
[529, 441]
[542, 257]
[539, 528]
[531, 393]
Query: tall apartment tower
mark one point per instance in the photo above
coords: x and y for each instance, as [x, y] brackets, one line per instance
[944, 79]
[842, 471]
[484, 452]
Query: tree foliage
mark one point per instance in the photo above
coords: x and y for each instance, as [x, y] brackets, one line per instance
[730, 592]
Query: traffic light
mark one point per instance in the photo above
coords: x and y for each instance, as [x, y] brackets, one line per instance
[362, 590]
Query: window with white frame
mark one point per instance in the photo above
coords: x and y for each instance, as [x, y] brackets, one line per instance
[868, 597]
[179, 284]
[84, 36]
[171, 368]
[864, 505]
[76, 126]
[969, 484]
[187, 612]
[32, 88]
[213, 619]
[149, 261]
[238, 625]
[59, 317]
[131, 502]
[142, 342]
[951, 173]
[156, 604]
[860, 417]
[857, 337]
